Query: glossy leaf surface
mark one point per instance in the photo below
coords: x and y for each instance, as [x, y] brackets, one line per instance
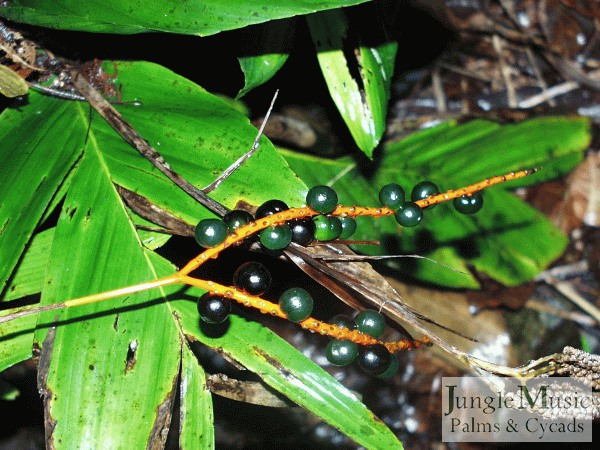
[16, 340]
[480, 149]
[127, 357]
[198, 17]
[361, 98]
[196, 415]
[200, 136]
[260, 69]
[28, 278]
[49, 131]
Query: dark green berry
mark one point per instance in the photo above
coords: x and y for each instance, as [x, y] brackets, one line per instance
[423, 190]
[348, 227]
[276, 238]
[409, 215]
[392, 195]
[237, 218]
[335, 226]
[297, 304]
[211, 232]
[343, 321]
[374, 359]
[213, 308]
[328, 228]
[469, 204]
[370, 322]
[252, 278]
[270, 207]
[322, 199]
[341, 352]
[303, 231]
[391, 370]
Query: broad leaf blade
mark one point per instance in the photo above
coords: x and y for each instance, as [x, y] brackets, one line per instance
[128, 359]
[16, 340]
[200, 136]
[362, 101]
[40, 135]
[198, 17]
[28, 277]
[197, 430]
[16, 337]
[128, 349]
[260, 69]
[480, 149]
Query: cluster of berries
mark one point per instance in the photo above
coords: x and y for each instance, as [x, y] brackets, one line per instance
[410, 214]
[325, 226]
[322, 224]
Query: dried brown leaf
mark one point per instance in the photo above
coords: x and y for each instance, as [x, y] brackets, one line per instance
[370, 289]
[253, 392]
[144, 208]
[583, 194]
[452, 309]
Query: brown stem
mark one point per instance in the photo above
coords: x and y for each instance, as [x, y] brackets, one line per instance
[144, 208]
[133, 138]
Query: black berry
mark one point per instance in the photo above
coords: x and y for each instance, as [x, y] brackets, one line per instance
[303, 231]
[237, 218]
[252, 278]
[374, 359]
[343, 321]
[213, 309]
[270, 207]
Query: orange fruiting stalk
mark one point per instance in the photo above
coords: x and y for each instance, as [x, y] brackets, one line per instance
[265, 306]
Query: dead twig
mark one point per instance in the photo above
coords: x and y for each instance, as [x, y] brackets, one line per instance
[255, 392]
[567, 289]
[232, 168]
[438, 91]
[505, 71]
[581, 319]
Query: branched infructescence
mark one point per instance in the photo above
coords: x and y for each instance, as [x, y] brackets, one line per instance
[351, 211]
[265, 306]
